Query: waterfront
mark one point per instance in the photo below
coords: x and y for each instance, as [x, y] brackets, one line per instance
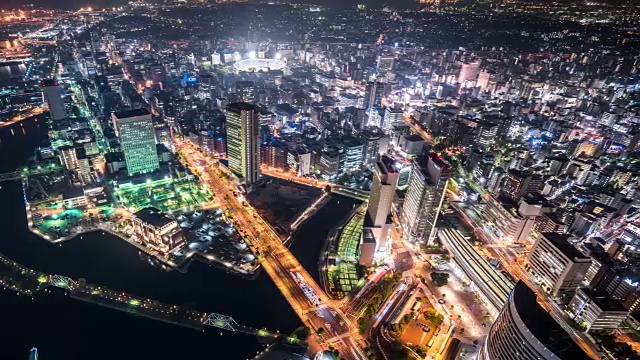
[85, 331]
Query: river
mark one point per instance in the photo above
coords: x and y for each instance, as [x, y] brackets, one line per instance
[66, 329]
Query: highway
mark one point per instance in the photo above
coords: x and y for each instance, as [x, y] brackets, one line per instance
[278, 262]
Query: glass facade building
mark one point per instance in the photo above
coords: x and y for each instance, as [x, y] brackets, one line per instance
[243, 141]
[138, 140]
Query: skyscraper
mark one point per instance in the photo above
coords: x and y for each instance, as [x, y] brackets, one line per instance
[385, 180]
[243, 141]
[374, 92]
[51, 95]
[525, 331]
[246, 90]
[422, 203]
[137, 136]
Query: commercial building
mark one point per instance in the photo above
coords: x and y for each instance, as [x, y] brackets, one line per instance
[487, 133]
[385, 180]
[243, 141]
[425, 193]
[525, 331]
[137, 136]
[152, 227]
[351, 153]
[596, 311]
[391, 117]
[511, 222]
[74, 159]
[556, 265]
[51, 96]
[518, 183]
[370, 139]
[246, 91]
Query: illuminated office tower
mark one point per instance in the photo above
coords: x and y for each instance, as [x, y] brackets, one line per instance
[385, 180]
[243, 141]
[137, 136]
[51, 95]
[246, 90]
[525, 331]
[425, 194]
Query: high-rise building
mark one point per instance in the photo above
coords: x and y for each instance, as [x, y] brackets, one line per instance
[486, 135]
[137, 136]
[374, 92]
[385, 180]
[391, 117]
[425, 194]
[518, 183]
[243, 141]
[556, 265]
[75, 160]
[246, 91]
[596, 311]
[370, 138]
[525, 331]
[51, 95]
[351, 154]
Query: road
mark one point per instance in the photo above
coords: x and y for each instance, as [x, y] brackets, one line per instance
[377, 332]
[306, 297]
[418, 129]
[509, 262]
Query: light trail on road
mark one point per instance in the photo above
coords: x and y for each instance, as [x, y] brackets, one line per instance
[276, 259]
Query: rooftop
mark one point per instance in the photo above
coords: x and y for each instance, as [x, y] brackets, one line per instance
[132, 113]
[542, 326]
[153, 216]
[561, 242]
[240, 106]
[604, 300]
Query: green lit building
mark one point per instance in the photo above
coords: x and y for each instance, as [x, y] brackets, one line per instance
[137, 136]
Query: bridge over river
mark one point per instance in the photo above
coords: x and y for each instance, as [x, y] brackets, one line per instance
[23, 280]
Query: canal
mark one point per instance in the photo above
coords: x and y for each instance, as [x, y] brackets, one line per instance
[64, 329]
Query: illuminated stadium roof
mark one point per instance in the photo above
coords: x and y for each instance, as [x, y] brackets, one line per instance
[255, 65]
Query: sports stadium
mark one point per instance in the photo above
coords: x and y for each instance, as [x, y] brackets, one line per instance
[256, 65]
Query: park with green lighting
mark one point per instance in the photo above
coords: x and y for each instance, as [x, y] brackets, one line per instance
[166, 194]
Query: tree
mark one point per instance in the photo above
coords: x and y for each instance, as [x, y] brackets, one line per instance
[327, 189]
[440, 279]
[303, 332]
[320, 331]
[433, 316]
